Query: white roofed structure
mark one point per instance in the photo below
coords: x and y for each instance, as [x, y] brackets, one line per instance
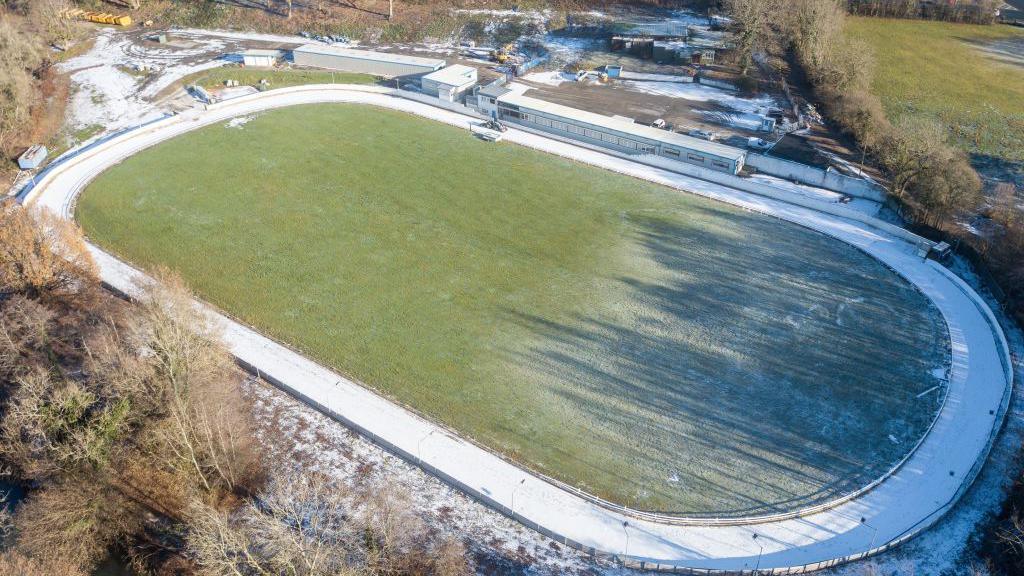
[449, 82]
[364, 61]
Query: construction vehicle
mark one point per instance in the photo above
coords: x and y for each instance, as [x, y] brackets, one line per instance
[97, 17]
[503, 54]
[495, 125]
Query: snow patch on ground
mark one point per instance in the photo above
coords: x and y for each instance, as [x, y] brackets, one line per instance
[239, 121]
[627, 75]
[743, 120]
[298, 436]
[550, 78]
[700, 93]
[105, 94]
[236, 35]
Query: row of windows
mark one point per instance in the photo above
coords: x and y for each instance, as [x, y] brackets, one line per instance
[583, 131]
[603, 136]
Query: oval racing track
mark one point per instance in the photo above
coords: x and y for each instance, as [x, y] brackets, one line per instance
[911, 498]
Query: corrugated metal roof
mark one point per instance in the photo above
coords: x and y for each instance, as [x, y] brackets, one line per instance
[665, 136]
[370, 55]
[494, 90]
[454, 75]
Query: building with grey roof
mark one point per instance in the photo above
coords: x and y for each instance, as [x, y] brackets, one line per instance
[618, 134]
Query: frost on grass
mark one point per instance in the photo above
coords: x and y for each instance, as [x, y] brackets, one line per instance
[298, 438]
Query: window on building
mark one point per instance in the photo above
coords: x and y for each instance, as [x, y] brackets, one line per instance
[720, 164]
[695, 158]
[671, 152]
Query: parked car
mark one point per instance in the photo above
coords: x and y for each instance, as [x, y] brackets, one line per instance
[703, 134]
[495, 125]
[759, 143]
[659, 123]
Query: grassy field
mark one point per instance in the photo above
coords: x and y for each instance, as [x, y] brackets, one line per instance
[277, 77]
[969, 77]
[653, 347]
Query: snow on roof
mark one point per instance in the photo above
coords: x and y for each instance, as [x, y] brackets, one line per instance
[259, 52]
[454, 75]
[665, 136]
[370, 55]
[494, 90]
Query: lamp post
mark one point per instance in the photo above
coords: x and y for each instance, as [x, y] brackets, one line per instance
[625, 529]
[874, 533]
[760, 551]
[419, 455]
[514, 488]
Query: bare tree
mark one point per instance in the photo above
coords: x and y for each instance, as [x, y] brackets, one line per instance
[305, 525]
[74, 521]
[21, 53]
[907, 148]
[14, 562]
[301, 525]
[752, 27]
[24, 336]
[205, 429]
[42, 256]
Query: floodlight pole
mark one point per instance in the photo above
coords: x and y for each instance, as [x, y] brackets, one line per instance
[625, 529]
[874, 533]
[514, 488]
[419, 455]
[757, 565]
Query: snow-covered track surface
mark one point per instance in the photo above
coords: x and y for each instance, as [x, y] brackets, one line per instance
[909, 499]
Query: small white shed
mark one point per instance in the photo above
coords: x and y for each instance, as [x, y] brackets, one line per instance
[261, 58]
[450, 82]
[32, 157]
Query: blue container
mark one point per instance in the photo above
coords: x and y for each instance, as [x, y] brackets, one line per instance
[613, 71]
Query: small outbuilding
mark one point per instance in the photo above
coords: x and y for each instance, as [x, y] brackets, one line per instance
[450, 82]
[261, 58]
[33, 157]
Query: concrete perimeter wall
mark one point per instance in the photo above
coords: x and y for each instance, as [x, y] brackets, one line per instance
[827, 179]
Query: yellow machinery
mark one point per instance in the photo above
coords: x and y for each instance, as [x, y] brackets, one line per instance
[97, 17]
[501, 55]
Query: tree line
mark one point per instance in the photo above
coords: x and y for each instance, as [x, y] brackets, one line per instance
[967, 11]
[126, 425]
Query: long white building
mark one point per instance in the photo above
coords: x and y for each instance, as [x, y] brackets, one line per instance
[364, 61]
[618, 134]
